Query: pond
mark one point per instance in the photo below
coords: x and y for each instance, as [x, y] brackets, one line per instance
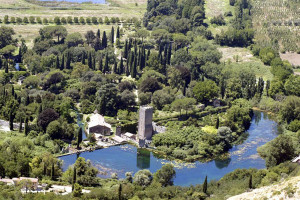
[127, 158]
[78, 1]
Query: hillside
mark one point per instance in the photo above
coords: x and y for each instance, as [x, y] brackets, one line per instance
[287, 189]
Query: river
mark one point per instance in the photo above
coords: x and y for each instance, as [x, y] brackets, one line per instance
[127, 158]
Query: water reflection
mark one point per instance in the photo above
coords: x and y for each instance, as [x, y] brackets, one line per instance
[222, 163]
[143, 159]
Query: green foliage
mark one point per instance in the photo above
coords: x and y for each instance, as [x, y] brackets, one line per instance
[165, 175]
[205, 91]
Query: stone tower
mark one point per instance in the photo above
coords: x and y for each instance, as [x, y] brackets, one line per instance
[145, 123]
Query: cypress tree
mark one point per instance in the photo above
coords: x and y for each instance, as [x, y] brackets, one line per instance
[120, 192]
[83, 58]
[94, 62]
[90, 62]
[126, 49]
[217, 123]
[112, 35]
[115, 70]
[0, 63]
[12, 90]
[11, 121]
[133, 68]
[97, 45]
[26, 127]
[62, 65]
[68, 63]
[250, 182]
[52, 171]
[101, 65]
[106, 67]
[98, 33]
[268, 87]
[20, 126]
[74, 178]
[102, 108]
[169, 54]
[57, 62]
[79, 137]
[205, 185]
[104, 40]
[121, 67]
[118, 32]
[6, 66]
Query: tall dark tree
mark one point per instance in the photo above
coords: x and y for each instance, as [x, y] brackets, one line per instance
[11, 121]
[169, 54]
[268, 87]
[79, 137]
[126, 50]
[104, 40]
[94, 62]
[205, 185]
[120, 192]
[97, 45]
[118, 32]
[83, 58]
[217, 123]
[90, 62]
[112, 35]
[250, 182]
[101, 64]
[134, 68]
[98, 33]
[52, 171]
[74, 178]
[57, 62]
[115, 70]
[26, 127]
[21, 125]
[6, 66]
[106, 67]
[68, 63]
[62, 64]
[121, 67]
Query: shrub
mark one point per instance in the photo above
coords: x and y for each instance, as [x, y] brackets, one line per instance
[294, 126]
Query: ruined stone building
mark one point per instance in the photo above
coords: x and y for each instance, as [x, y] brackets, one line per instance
[145, 130]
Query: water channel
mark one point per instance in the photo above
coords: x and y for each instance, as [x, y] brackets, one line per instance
[127, 158]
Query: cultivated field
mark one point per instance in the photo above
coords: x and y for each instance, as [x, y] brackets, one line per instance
[124, 9]
[277, 20]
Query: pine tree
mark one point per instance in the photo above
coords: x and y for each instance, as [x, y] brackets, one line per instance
[121, 67]
[62, 65]
[250, 182]
[74, 178]
[98, 33]
[106, 67]
[104, 40]
[21, 124]
[101, 65]
[57, 62]
[26, 127]
[205, 185]
[79, 137]
[11, 121]
[112, 35]
[118, 32]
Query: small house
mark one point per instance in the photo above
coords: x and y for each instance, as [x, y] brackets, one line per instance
[130, 136]
[98, 125]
